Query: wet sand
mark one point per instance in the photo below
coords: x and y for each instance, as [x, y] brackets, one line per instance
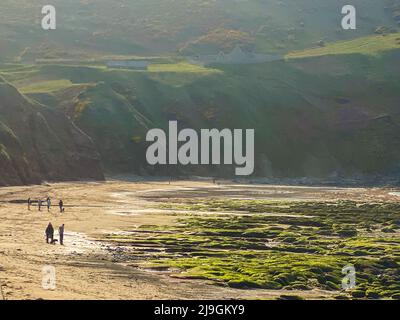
[86, 269]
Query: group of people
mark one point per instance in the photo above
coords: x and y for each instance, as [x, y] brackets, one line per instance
[50, 229]
[50, 234]
[47, 203]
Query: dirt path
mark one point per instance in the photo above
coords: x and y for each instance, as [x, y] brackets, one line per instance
[85, 269]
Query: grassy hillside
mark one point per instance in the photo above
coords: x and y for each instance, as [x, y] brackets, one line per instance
[94, 28]
[329, 109]
[333, 112]
[37, 143]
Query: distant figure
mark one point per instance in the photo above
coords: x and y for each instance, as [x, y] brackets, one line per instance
[29, 204]
[61, 205]
[48, 204]
[61, 233]
[50, 233]
[40, 205]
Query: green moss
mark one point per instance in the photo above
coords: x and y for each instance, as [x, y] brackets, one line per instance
[290, 297]
[358, 294]
[280, 250]
[372, 294]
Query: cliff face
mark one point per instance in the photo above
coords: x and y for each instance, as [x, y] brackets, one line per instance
[329, 116]
[39, 144]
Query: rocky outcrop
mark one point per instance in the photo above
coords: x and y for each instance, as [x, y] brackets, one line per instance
[40, 144]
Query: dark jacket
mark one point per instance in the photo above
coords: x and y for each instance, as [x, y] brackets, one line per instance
[50, 229]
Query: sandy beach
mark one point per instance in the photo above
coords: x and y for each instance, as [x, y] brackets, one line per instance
[86, 268]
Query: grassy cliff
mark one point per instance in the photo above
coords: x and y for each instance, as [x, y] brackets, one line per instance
[38, 143]
[321, 112]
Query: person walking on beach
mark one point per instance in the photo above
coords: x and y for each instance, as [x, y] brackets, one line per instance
[48, 204]
[40, 205]
[29, 204]
[49, 233]
[61, 205]
[61, 233]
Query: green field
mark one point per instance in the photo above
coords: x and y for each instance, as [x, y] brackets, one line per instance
[46, 86]
[181, 68]
[371, 45]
